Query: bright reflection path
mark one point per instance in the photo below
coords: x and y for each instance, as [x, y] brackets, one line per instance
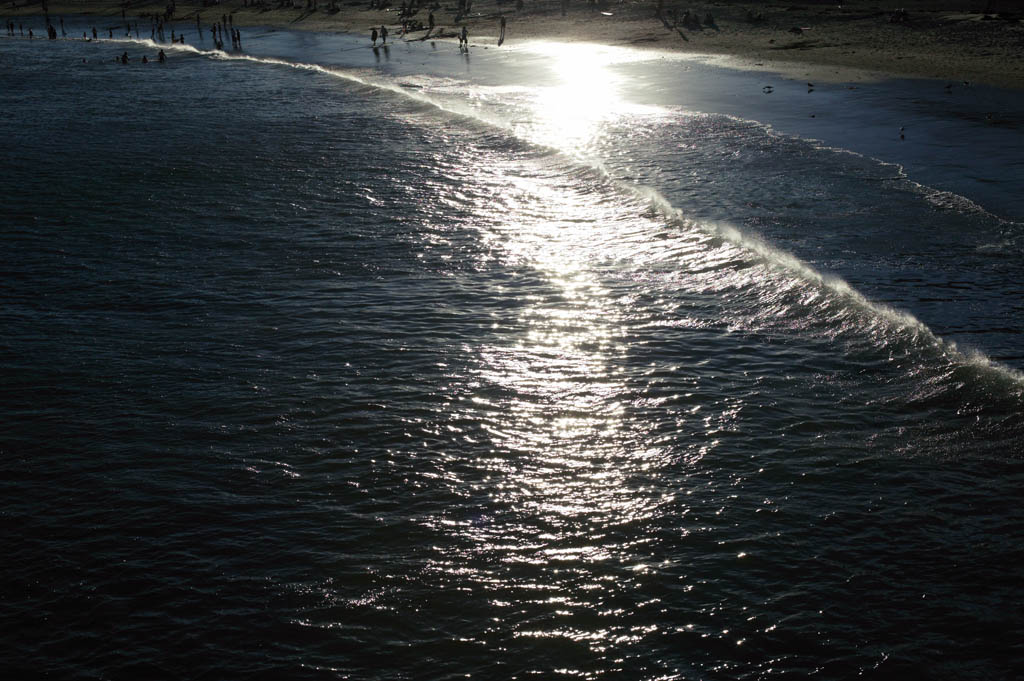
[585, 94]
[551, 531]
[566, 408]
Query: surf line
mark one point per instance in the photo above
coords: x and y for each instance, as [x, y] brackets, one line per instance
[766, 253]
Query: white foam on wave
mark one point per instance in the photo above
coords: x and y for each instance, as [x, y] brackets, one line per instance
[768, 253]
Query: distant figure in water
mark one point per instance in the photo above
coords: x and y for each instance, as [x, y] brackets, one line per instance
[30, 34]
[94, 33]
[501, 36]
[145, 60]
[161, 57]
[373, 36]
[124, 58]
[383, 35]
[464, 39]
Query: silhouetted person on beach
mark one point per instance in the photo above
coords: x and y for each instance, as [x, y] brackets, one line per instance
[501, 36]
[373, 36]
[124, 58]
[464, 39]
[383, 35]
[161, 57]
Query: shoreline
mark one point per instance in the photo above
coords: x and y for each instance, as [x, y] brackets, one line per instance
[977, 41]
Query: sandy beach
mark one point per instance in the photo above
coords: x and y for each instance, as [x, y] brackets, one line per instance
[979, 41]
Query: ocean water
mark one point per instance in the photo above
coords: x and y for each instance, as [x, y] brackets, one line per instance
[321, 362]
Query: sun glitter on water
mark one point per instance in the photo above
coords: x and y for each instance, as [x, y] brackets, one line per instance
[583, 96]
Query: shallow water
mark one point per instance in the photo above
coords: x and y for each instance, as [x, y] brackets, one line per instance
[555, 361]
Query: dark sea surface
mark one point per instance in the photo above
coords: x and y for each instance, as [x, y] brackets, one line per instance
[552, 362]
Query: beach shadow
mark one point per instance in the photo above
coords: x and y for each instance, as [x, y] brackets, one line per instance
[799, 45]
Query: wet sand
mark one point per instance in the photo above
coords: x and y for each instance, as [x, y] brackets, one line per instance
[979, 41]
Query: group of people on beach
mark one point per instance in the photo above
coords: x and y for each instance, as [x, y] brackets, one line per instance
[51, 30]
[383, 35]
[123, 59]
[226, 22]
[217, 31]
[407, 13]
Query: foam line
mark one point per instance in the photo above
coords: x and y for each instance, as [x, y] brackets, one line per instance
[750, 243]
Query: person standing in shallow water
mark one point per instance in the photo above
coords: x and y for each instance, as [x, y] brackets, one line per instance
[373, 36]
[383, 35]
[501, 35]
